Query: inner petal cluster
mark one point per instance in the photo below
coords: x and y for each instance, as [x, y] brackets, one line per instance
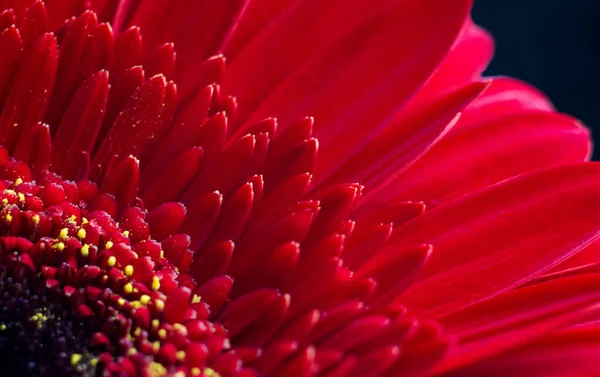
[84, 295]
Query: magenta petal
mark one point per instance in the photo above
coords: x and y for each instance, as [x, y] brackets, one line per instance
[514, 318]
[482, 252]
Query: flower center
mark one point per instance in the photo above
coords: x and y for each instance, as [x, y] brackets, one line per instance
[83, 295]
[40, 334]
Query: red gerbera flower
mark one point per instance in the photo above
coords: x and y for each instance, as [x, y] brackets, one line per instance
[164, 211]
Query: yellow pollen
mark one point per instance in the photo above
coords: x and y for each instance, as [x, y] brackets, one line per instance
[36, 219]
[180, 355]
[195, 371]
[156, 370]
[126, 233]
[85, 250]
[162, 333]
[108, 245]
[18, 181]
[160, 305]
[111, 261]
[72, 218]
[129, 270]
[162, 253]
[180, 328]
[196, 299]
[64, 234]
[137, 331]
[145, 299]
[75, 358]
[81, 233]
[132, 351]
[155, 323]
[156, 346]
[155, 283]
[8, 218]
[94, 361]
[128, 288]
[4, 202]
[136, 304]
[83, 220]
[2, 327]
[209, 372]
[21, 197]
[59, 246]
[121, 301]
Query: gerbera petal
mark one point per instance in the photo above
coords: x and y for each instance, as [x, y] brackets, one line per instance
[514, 318]
[324, 88]
[571, 352]
[464, 63]
[478, 250]
[30, 90]
[473, 157]
[402, 142]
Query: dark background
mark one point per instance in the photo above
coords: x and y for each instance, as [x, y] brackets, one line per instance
[552, 44]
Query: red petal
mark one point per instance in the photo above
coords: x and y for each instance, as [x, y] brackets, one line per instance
[460, 274]
[471, 158]
[517, 317]
[29, 92]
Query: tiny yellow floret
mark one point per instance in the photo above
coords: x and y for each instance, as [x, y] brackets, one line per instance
[129, 270]
[160, 305]
[85, 250]
[209, 372]
[155, 283]
[112, 261]
[18, 181]
[196, 299]
[128, 288]
[36, 219]
[64, 234]
[145, 299]
[81, 233]
[156, 370]
[75, 358]
[108, 245]
[8, 218]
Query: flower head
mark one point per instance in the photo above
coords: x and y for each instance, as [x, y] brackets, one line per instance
[264, 188]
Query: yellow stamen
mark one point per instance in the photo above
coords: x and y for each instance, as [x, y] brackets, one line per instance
[85, 250]
[64, 234]
[75, 358]
[112, 261]
[155, 283]
[129, 270]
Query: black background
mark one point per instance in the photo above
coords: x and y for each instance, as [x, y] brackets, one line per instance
[552, 44]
